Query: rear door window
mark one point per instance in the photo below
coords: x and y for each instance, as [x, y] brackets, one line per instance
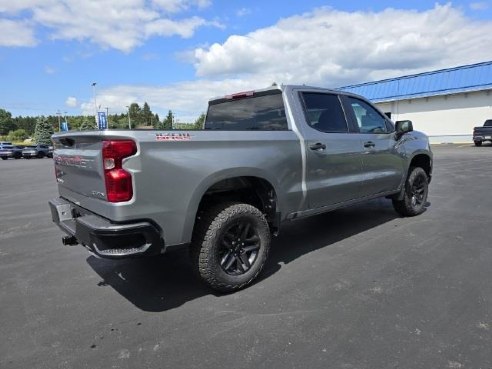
[324, 112]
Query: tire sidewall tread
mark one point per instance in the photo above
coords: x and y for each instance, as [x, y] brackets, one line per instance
[404, 207]
[204, 245]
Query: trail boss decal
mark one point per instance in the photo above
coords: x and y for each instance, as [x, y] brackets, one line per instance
[173, 137]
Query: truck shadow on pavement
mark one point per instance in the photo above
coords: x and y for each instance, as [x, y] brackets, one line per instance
[306, 235]
[158, 284]
[154, 283]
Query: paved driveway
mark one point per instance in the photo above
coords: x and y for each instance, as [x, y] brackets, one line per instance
[356, 288]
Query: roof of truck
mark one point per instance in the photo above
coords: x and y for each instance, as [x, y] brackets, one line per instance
[277, 87]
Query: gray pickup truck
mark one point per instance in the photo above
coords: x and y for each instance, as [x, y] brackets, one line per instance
[262, 159]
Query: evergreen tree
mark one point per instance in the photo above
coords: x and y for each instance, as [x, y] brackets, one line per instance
[146, 115]
[156, 122]
[168, 121]
[199, 122]
[43, 131]
[135, 114]
[6, 122]
[87, 125]
[26, 123]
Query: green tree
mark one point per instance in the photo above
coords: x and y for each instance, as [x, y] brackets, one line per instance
[156, 122]
[17, 135]
[26, 123]
[43, 131]
[167, 123]
[87, 125]
[135, 114]
[121, 121]
[146, 115]
[6, 122]
[199, 122]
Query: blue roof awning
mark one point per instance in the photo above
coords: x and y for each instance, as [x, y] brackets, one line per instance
[465, 78]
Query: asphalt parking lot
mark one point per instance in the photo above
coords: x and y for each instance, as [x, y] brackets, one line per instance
[356, 288]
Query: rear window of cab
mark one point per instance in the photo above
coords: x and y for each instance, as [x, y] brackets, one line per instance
[252, 111]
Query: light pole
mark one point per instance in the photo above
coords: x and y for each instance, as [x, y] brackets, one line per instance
[59, 120]
[129, 122]
[95, 103]
[107, 115]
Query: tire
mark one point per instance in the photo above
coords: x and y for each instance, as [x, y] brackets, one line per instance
[477, 143]
[415, 196]
[4, 158]
[230, 246]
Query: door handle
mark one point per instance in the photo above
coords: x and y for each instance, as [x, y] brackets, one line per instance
[318, 146]
[369, 144]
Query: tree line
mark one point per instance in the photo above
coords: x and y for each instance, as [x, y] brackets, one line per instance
[17, 129]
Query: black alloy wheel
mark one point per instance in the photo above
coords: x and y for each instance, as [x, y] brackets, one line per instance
[239, 248]
[416, 189]
[230, 245]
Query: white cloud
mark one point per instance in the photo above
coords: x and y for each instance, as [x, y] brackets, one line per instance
[16, 33]
[324, 48]
[174, 6]
[118, 24]
[49, 70]
[186, 99]
[243, 12]
[71, 102]
[480, 5]
[9, 6]
[167, 27]
[329, 47]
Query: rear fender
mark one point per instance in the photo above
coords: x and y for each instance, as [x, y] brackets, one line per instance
[211, 180]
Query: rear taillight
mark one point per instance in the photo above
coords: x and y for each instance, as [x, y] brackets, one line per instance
[118, 181]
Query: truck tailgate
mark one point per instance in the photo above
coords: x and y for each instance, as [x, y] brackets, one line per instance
[79, 166]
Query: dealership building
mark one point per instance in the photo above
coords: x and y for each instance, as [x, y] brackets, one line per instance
[445, 104]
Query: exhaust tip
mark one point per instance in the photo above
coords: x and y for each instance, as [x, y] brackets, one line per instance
[69, 241]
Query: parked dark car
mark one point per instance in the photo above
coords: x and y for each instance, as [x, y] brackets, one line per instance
[482, 134]
[37, 151]
[11, 151]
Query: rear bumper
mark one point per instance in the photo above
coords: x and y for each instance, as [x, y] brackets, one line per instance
[30, 154]
[104, 238]
[487, 137]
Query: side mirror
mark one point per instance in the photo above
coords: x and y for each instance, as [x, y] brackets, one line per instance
[402, 127]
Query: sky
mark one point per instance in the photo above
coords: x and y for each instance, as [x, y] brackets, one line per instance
[177, 54]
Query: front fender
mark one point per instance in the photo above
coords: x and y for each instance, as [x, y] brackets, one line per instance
[417, 152]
